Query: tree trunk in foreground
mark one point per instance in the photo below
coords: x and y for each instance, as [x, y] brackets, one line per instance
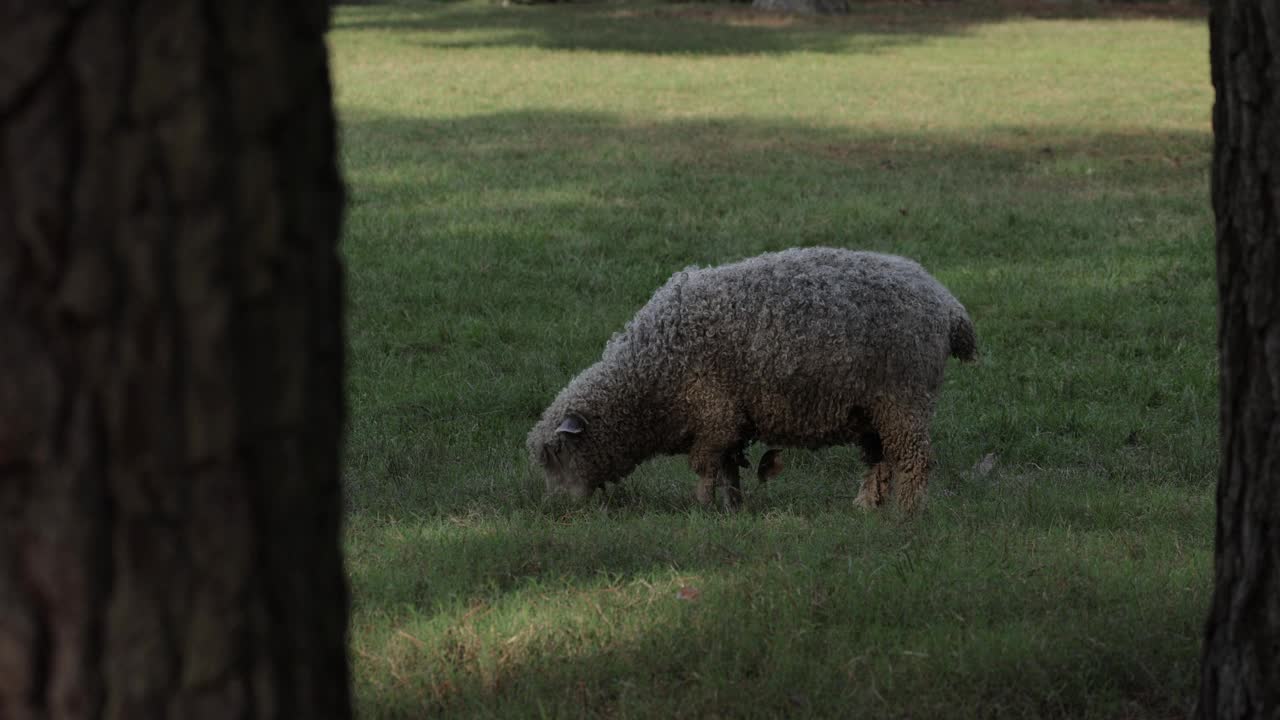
[171, 362]
[1240, 674]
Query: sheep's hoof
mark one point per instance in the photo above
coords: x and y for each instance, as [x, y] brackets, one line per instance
[910, 505]
[706, 494]
[732, 498]
[867, 501]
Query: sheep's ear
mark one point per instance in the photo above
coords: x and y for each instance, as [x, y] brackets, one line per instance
[572, 424]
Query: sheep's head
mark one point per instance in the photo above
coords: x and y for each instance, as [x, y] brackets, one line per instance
[574, 459]
[594, 432]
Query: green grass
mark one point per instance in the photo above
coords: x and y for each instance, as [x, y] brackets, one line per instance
[522, 178]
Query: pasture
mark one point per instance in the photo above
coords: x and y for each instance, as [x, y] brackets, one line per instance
[522, 178]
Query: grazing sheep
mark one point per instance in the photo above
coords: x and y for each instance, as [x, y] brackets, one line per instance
[808, 347]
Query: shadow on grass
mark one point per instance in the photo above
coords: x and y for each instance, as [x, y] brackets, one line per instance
[1050, 622]
[603, 186]
[745, 667]
[718, 28]
[1005, 529]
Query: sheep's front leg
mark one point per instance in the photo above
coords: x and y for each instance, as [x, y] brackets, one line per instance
[717, 444]
[716, 467]
[732, 483]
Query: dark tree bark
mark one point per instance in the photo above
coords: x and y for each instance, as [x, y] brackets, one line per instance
[171, 362]
[1240, 675]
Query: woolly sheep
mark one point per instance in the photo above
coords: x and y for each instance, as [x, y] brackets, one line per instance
[808, 347]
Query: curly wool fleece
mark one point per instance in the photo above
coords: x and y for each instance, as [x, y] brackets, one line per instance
[808, 347]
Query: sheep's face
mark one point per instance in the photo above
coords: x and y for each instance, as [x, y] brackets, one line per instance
[572, 463]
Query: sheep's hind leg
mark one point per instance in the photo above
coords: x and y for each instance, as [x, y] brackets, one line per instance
[875, 483]
[875, 486]
[706, 492]
[770, 465]
[907, 450]
[706, 464]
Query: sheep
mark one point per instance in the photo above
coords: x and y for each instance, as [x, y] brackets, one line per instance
[807, 347]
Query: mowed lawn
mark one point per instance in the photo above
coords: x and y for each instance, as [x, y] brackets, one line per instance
[522, 178]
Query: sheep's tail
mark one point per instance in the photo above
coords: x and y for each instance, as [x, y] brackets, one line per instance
[964, 341]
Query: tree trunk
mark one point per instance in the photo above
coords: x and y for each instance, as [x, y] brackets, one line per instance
[171, 362]
[1240, 675]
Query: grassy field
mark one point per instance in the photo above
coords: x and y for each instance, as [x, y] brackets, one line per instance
[522, 178]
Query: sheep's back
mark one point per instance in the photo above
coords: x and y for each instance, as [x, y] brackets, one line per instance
[835, 321]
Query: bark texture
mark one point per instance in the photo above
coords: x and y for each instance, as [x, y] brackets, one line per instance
[171, 361]
[1240, 675]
